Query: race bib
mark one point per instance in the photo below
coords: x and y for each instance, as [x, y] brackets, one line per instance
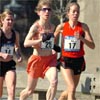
[71, 44]
[48, 44]
[8, 48]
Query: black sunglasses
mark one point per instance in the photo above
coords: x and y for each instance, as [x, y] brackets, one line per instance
[44, 9]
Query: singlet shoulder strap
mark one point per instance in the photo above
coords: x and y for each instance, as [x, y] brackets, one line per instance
[39, 26]
[13, 35]
[0, 37]
[0, 32]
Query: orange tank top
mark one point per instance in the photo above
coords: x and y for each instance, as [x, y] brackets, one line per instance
[40, 31]
[72, 47]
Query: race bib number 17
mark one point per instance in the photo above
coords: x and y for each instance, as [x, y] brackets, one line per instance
[71, 44]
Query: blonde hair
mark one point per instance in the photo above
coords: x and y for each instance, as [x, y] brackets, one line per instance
[4, 14]
[41, 3]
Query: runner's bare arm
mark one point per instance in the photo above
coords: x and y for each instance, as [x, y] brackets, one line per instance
[58, 31]
[88, 40]
[17, 48]
[29, 42]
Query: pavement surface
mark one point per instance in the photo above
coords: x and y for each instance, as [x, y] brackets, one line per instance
[22, 81]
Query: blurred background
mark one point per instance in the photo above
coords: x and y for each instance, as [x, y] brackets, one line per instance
[89, 14]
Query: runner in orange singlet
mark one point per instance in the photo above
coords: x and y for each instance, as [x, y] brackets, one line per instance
[74, 35]
[43, 60]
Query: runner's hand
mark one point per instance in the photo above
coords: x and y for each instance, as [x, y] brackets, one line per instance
[46, 36]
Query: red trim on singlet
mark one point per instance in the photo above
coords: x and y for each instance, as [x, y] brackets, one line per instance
[68, 31]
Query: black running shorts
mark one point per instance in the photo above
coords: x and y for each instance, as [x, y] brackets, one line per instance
[6, 66]
[76, 64]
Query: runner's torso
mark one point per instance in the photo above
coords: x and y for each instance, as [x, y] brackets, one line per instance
[45, 48]
[72, 47]
[7, 44]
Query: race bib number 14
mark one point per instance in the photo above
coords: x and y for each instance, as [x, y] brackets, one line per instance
[71, 43]
[9, 49]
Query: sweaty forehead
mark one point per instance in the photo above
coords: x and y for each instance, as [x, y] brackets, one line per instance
[74, 7]
[9, 17]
